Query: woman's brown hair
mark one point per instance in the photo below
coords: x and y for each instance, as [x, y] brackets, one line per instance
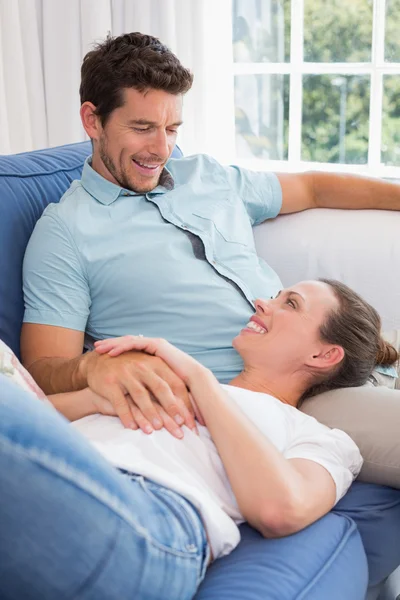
[356, 327]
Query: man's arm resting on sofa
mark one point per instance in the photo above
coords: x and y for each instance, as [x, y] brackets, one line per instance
[301, 191]
[53, 356]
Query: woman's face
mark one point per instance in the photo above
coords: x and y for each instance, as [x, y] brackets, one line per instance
[283, 334]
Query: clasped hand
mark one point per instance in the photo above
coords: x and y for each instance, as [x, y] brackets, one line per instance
[143, 382]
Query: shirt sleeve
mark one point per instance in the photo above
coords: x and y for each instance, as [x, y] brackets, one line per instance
[56, 290]
[261, 193]
[331, 448]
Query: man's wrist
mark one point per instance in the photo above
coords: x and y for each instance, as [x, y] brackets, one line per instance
[82, 369]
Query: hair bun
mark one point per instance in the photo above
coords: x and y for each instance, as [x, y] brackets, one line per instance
[387, 354]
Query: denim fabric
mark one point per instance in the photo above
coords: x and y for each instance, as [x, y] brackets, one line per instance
[68, 524]
[73, 527]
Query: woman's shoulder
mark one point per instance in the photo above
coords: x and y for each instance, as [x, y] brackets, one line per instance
[238, 393]
[263, 403]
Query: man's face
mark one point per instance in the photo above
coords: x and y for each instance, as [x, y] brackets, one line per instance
[138, 139]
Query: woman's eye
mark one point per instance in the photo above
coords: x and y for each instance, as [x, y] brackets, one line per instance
[291, 303]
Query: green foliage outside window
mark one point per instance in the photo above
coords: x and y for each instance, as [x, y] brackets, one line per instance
[335, 108]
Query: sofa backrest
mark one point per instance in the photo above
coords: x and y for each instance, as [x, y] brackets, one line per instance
[361, 248]
[28, 183]
[358, 247]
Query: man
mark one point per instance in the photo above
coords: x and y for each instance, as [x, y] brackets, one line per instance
[139, 247]
[147, 245]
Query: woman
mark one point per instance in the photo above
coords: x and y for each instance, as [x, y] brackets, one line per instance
[257, 458]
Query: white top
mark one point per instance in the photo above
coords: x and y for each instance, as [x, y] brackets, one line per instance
[193, 468]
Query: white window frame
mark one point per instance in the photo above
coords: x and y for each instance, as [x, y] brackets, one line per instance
[296, 68]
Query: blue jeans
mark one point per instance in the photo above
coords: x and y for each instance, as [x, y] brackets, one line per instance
[69, 529]
[72, 526]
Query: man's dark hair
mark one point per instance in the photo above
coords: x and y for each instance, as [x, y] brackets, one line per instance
[132, 60]
[356, 327]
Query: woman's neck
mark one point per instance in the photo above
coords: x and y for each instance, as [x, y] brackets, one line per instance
[280, 389]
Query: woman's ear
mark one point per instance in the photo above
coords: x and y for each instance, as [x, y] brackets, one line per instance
[329, 356]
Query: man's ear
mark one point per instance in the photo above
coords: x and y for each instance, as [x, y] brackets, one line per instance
[90, 121]
[327, 357]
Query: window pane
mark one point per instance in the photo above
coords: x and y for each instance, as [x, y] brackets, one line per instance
[391, 121]
[261, 30]
[335, 118]
[337, 31]
[392, 45]
[261, 116]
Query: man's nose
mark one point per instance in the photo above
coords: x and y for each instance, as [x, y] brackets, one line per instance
[160, 145]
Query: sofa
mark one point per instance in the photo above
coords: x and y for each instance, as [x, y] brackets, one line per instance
[342, 556]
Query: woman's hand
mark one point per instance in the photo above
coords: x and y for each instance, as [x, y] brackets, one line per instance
[185, 367]
[105, 407]
[101, 405]
[181, 363]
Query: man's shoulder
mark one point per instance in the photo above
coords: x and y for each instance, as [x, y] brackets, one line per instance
[67, 206]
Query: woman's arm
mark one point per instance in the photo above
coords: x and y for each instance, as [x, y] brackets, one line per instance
[276, 495]
[76, 405]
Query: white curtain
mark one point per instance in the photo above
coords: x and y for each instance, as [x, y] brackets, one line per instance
[42, 43]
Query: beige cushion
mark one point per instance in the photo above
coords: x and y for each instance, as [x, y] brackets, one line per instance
[371, 417]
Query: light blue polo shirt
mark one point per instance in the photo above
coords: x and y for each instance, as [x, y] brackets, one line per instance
[178, 262]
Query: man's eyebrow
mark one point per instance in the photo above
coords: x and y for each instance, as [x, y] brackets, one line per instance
[151, 123]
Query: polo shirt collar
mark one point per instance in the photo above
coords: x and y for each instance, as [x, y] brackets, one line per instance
[106, 192]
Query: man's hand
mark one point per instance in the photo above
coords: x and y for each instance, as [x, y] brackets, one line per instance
[185, 367]
[131, 381]
[105, 407]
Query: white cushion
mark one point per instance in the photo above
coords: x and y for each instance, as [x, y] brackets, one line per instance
[359, 248]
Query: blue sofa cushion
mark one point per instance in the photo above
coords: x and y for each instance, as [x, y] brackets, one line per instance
[327, 561]
[28, 183]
